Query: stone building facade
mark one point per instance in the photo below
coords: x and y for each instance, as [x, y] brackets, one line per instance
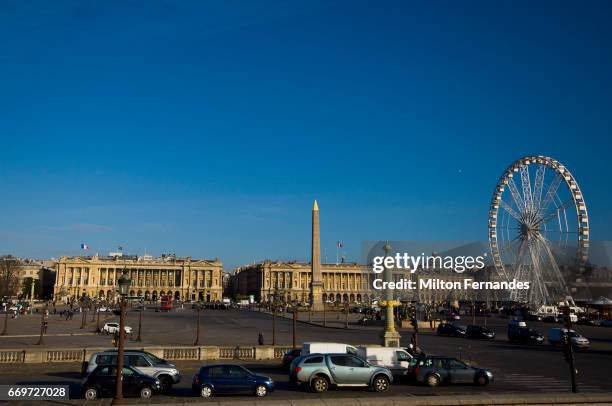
[181, 278]
[291, 282]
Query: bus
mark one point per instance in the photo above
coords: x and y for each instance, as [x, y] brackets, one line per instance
[166, 303]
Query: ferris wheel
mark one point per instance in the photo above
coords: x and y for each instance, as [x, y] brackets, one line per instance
[539, 230]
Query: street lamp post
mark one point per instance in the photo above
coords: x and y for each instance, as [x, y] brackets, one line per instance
[324, 313]
[98, 319]
[197, 340]
[93, 314]
[124, 284]
[83, 316]
[295, 310]
[43, 326]
[346, 309]
[139, 325]
[274, 324]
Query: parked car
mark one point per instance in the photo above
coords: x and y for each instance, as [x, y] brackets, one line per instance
[474, 331]
[147, 363]
[556, 337]
[319, 371]
[215, 379]
[396, 359]
[525, 335]
[451, 330]
[435, 370]
[606, 323]
[112, 328]
[290, 356]
[102, 382]
[327, 348]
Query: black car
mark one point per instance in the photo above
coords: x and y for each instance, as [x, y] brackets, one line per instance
[102, 382]
[451, 330]
[289, 357]
[474, 331]
[525, 335]
[213, 379]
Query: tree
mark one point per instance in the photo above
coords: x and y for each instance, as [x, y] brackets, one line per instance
[9, 282]
[26, 287]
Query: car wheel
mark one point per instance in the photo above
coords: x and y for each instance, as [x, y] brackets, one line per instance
[91, 393]
[166, 384]
[432, 380]
[261, 391]
[206, 391]
[319, 384]
[482, 380]
[381, 383]
[146, 392]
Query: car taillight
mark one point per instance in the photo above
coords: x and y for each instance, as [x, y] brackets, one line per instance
[196, 379]
[297, 369]
[416, 370]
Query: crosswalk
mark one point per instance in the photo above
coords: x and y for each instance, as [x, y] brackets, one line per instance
[543, 383]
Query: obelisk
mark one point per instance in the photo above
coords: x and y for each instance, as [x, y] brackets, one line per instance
[316, 286]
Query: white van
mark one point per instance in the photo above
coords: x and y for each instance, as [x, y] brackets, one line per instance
[395, 359]
[327, 348]
[556, 337]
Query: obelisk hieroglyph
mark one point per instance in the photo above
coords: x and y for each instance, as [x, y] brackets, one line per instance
[316, 285]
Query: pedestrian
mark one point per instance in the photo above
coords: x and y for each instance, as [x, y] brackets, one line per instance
[260, 339]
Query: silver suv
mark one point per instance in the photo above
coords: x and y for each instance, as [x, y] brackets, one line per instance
[319, 371]
[145, 362]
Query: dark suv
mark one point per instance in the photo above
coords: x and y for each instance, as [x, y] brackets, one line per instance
[474, 331]
[451, 330]
[525, 335]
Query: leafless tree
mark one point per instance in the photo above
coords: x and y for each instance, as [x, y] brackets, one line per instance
[9, 282]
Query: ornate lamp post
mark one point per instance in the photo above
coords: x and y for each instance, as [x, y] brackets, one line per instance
[391, 338]
[124, 284]
[140, 324]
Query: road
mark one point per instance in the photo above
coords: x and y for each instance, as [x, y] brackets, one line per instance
[517, 368]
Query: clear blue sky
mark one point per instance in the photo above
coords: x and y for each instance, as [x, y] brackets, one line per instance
[208, 128]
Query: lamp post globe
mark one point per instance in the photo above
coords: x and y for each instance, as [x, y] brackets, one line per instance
[124, 283]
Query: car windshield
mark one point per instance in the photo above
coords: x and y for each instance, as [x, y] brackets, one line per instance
[155, 360]
[573, 334]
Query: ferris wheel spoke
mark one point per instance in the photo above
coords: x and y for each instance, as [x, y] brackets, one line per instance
[516, 196]
[550, 193]
[540, 286]
[510, 210]
[526, 183]
[556, 274]
[556, 212]
[539, 186]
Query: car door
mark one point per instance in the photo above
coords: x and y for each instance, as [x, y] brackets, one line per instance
[130, 384]
[459, 372]
[105, 378]
[219, 378]
[239, 379]
[342, 369]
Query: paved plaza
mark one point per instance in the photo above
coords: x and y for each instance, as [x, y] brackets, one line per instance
[517, 368]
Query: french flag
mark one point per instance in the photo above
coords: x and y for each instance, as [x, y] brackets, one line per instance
[84, 247]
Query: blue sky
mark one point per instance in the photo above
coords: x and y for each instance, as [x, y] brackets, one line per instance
[208, 128]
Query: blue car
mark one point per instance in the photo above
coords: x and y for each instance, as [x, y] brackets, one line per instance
[215, 379]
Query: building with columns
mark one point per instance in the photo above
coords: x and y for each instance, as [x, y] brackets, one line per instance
[291, 281]
[181, 278]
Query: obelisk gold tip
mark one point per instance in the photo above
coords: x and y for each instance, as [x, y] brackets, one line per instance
[315, 206]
